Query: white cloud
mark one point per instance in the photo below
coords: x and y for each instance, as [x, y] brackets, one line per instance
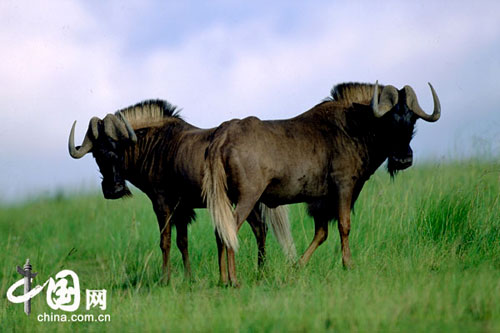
[62, 62]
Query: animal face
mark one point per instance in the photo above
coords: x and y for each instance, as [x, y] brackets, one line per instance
[107, 139]
[401, 124]
[109, 156]
[399, 109]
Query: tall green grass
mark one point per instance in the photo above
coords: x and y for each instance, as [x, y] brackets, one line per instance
[426, 249]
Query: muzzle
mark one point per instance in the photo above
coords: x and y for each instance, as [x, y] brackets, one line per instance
[115, 190]
[396, 163]
[401, 161]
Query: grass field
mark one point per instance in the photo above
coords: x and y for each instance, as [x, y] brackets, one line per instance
[426, 249]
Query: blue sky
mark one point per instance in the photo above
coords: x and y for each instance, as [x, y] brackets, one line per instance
[69, 60]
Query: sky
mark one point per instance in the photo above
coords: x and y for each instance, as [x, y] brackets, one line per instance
[63, 61]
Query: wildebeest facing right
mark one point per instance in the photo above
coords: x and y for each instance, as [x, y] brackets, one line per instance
[322, 157]
[151, 146]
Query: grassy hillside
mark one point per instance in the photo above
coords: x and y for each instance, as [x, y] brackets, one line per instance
[426, 248]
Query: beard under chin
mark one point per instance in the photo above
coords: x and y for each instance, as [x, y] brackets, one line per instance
[391, 168]
[127, 194]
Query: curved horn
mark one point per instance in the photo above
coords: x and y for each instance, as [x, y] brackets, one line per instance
[411, 101]
[130, 130]
[81, 151]
[113, 128]
[117, 127]
[388, 98]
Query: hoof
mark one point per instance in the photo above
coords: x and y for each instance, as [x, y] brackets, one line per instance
[348, 265]
[223, 284]
[164, 281]
[226, 284]
[188, 277]
[298, 265]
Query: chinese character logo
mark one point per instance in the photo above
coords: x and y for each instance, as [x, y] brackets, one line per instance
[96, 298]
[63, 292]
[26, 282]
[60, 295]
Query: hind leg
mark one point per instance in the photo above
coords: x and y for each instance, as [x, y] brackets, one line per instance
[259, 229]
[243, 208]
[221, 250]
[320, 235]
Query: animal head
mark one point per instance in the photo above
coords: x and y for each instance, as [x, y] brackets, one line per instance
[399, 109]
[107, 140]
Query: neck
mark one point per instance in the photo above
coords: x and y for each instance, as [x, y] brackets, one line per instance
[154, 149]
[371, 134]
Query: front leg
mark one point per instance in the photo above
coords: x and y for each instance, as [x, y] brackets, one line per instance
[164, 215]
[182, 244]
[165, 244]
[344, 224]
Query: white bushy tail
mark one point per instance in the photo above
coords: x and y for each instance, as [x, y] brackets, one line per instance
[214, 192]
[277, 220]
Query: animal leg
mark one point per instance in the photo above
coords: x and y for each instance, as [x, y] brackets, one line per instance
[182, 244]
[344, 225]
[231, 268]
[241, 212]
[320, 235]
[165, 243]
[259, 229]
[221, 249]
[164, 217]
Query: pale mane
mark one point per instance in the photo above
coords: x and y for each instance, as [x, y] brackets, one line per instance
[149, 113]
[349, 93]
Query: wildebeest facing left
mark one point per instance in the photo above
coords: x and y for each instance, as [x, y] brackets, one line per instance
[322, 157]
[152, 147]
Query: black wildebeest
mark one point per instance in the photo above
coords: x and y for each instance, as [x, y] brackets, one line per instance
[322, 157]
[152, 147]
